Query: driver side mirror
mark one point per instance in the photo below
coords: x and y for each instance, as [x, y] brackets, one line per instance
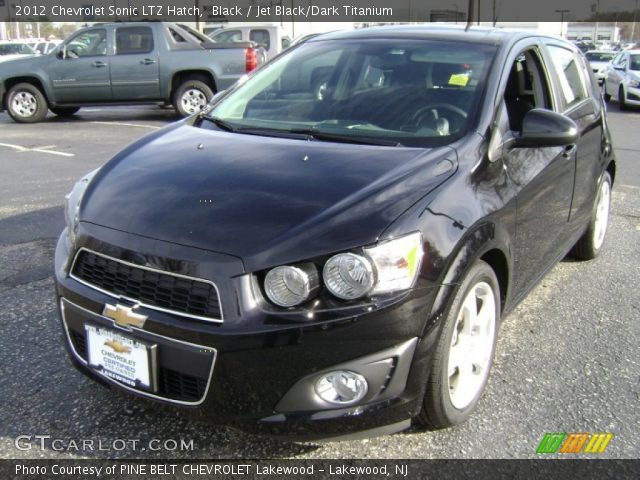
[544, 128]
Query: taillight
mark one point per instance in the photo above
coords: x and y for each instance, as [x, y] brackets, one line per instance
[251, 60]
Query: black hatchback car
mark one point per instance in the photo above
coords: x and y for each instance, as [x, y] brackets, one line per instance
[331, 246]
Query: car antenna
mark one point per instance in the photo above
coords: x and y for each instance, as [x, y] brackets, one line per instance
[470, 15]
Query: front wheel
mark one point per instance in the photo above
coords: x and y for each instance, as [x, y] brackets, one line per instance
[26, 103]
[192, 97]
[591, 243]
[607, 97]
[465, 350]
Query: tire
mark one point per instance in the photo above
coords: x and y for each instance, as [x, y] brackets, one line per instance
[65, 112]
[591, 243]
[607, 97]
[26, 103]
[191, 97]
[451, 396]
[621, 100]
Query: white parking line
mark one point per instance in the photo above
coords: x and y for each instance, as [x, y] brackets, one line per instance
[43, 149]
[122, 124]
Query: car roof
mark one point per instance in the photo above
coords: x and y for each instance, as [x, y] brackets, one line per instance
[476, 34]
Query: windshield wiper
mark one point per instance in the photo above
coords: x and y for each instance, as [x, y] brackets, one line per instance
[218, 122]
[336, 137]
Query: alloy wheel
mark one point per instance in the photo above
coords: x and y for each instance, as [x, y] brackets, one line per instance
[193, 101]
[472, 345]
[602, 214]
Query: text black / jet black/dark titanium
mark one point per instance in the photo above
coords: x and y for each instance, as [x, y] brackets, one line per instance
[330, 247]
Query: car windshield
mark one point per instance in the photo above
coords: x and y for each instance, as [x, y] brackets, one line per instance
[600, 56]
[635, 62]
[16, 49]
[408, 92]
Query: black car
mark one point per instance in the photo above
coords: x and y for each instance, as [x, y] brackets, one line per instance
[330, 248]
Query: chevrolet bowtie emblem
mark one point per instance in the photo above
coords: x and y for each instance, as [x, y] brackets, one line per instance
[117, 346]
[124, 316]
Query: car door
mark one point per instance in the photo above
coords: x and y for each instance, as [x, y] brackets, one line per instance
[615, 74]
[580, 96]
[79, 72]
[542, 176]
[135, 70]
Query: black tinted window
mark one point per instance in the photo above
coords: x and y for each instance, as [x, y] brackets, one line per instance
[261, 37]
[134, 40]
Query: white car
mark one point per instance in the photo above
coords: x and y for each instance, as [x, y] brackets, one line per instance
[10, 50]
[622, 79]
[45, 47]
[599, 60]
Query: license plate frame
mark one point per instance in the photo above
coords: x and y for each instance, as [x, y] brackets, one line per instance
[122, 358]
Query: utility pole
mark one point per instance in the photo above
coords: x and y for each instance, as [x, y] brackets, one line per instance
[633, 27]
[595, 31]
[562, 12]
[479, 6]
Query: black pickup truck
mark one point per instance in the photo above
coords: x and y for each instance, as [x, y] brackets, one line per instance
[124, 63]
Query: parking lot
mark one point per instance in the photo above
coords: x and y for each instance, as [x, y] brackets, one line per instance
[567, 357]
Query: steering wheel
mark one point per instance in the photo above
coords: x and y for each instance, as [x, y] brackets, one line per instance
[457, 111]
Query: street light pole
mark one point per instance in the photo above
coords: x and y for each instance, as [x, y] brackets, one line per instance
[562, 12]
[633, 27]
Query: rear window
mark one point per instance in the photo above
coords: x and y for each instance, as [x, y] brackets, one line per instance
[131, 40]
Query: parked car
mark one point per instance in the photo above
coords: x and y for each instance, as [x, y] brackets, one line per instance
[622, 79]
[10, 50]
[124, 63]
[44, 47]
[316, 266]
[599, 59]
[270, 37]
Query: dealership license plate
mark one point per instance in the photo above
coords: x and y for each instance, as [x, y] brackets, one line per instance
[120, 357]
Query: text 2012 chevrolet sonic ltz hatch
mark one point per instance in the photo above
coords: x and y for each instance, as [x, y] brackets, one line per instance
[330, 248]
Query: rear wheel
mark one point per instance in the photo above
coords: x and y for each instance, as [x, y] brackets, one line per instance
[465, 349]
[621, 100]
[65, 111]
[607, 97]
[26, 103]
[192, 97]
[591, 243]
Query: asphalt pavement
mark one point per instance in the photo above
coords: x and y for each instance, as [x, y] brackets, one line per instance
[567, 358]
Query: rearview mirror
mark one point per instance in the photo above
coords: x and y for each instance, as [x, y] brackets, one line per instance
[544, 128]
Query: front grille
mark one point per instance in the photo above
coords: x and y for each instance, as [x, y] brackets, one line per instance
[79, 344]
[181, 386]
[151, 288]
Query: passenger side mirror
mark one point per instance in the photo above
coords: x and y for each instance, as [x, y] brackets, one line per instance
[544, 128]
[620, 68]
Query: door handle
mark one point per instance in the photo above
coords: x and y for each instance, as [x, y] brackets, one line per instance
[569, 150]
[147, 61]
[99, 64]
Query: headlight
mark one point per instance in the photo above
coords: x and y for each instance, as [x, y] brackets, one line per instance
[348, 276]
[397, 262]
[634, 83]
[288, 286]
[72, 205]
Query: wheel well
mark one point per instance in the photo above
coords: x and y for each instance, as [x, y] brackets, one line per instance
[611, 169]
[180, 77]
[10, 82]
[498, 262]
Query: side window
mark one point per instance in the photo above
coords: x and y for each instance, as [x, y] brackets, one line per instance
[261, 37]
[90, 43]
[568, 71]
[229, 36]
[134, 40]
[527, 88]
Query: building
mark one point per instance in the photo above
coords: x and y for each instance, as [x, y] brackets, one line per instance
[593, 32]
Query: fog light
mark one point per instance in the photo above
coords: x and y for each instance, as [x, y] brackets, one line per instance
[342, 387]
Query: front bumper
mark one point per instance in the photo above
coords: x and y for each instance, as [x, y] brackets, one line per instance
[255, 370]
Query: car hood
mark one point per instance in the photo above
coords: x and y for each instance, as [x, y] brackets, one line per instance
[598, 65]
[266, 200]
